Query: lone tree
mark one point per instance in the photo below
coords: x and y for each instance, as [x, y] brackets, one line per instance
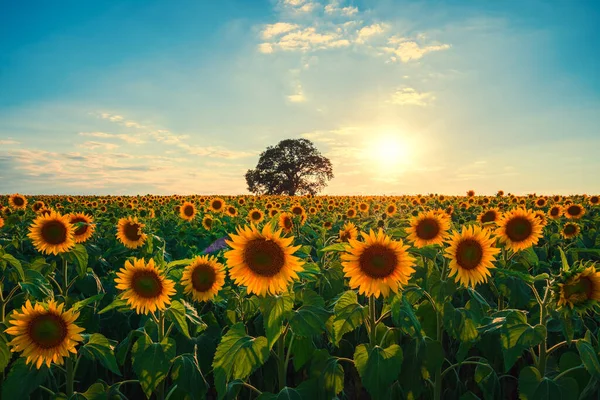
[293, 167]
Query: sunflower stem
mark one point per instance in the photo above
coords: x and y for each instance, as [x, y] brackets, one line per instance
[161, 335]
[543, 348]
[437, 389]
[372, 321]
[66, 278]
[282, 370]
[70, 376]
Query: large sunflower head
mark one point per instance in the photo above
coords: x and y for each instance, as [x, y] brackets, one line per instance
[217, 205]
[349, 231]
[574, 211]
[262, 261]
[84, 227]
[519, 229]
[578, 288]
[203, 278]
[377, 265]
[255, 216]
[52, 234]
[570, 230]
[428, 228]
[187, 211]
[17, 201]
[129, 232]
[471, 253]
[44, 333]
[286, 222]
[146, 288]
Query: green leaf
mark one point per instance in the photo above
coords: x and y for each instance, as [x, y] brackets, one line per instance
[176, 314]
[237, 356]
[22, 380]
[329, 374]
[152, 361]
[518, 335]
[589, 357]
[403, 315]
[285, 394]
[563, 260]
[117, 303]
[16, 264]
[99, 348]
[348, 315]
[79, 255]
[187, 376]
[5, 353]
[308, 320]
[80, 304]
[302, 349]
[488, 382]
[178, 263]
[547, 390]
[569, 389]
[337, 247]
[378, 367]
[36, 285]
[273, 309]
[97, 391]
[529, 380]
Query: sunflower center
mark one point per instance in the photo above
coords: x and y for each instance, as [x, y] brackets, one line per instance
[297, 210]
[203, 277]
[574, 210]
[54, 232]
[81, 224]
[188, 211]
[344, 236]
[570, 229]
[579, 291]
[519, 229]
[217, 205]
[255, 215]
[287, 223]
[47, 331]
[208, 222]
[554, 211]
[489, 216]
[146, 284]
[264, 257]
[132, 232]
[18, 201]
[469, 254]
[428, 229]
[378, 261]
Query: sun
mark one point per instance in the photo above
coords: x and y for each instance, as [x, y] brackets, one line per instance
[390, 150]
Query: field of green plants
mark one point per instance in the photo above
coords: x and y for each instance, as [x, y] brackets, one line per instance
[314, 297]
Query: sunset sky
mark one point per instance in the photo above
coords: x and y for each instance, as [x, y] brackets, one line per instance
[136, 97]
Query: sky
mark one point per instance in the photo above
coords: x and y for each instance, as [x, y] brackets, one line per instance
[404, 97]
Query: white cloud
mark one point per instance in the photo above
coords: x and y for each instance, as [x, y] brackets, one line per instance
[334, 8]
[131, 139]
[265, 48]
[407, 50]
[8, 142]
[371, 30]
[409, 96]
[91, 145]
[272, 30]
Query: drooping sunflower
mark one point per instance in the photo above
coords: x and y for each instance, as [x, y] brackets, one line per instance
[471, 253]
[44, 334]
[129, 232]
[17, 201]
[579, 288]
[207, 222]
[519, 229]
[84, 227]
[262, 261]
[187, 211]
[574, 211]
[52, 234]
[285, 222]
[555, 212]
[217, 205]
[489, 216]
[377, 265]
[570, 230]
[349, 231]
[428, 228]
[146, 288]
[203, 278]
[255, 216]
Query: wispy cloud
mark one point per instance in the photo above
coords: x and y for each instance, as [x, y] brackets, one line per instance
[406, 49]
[129, 138]
[91, 145]
[409, 96]
[8, 142]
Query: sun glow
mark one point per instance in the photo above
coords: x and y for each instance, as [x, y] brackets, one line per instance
[390, 151]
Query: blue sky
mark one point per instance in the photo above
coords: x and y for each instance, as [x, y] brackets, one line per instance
[181, 97]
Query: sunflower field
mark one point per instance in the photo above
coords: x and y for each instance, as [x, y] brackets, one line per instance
[313, 297]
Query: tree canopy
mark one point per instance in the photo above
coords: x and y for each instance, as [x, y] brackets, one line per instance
[293, 167]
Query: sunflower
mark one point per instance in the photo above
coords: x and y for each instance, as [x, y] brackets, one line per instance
[285, 222]
[519, 229]
[231, 211]
[351, 213]
[44, 334]
[273, 212]
[349, 231]
[187, 211]
[363, 207]
[297, 209]
[37, 206]
[555, 212]
[378, 264]
[217, 204]
[541, 202]
[1, 222]
[203, 278]
[470, 193]
[84, 227]
[255, 216]
[17, 201]
[488, 216]
[146, 289]
[574, 211]
[471, 255]
[52, 234]
[428, 228]
[262, 261]
[391, 209]
[129, 232]
[594, 200]
[570, 230]
[579, 288]
[207, 222]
